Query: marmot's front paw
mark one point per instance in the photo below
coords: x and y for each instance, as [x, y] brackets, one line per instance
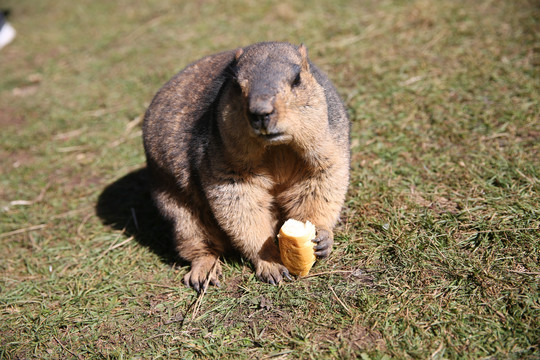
[203, 269]
[324, 242]
[271, 272]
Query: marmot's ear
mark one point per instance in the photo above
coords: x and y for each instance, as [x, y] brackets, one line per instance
[238, 53]
[302, 49]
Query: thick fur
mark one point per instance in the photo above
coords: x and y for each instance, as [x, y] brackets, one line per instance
[237, 143]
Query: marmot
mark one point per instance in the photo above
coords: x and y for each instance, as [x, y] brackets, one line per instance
[237, 143]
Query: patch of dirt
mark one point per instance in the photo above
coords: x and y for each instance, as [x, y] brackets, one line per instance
[72, 178]
[113, 335]
[15, 159]
[361, 276]
[260, 312]
[25, 91]
[9, 117]
[10, 160]
[356, 338]
[438, 204]
[429, 277]
[282, 12]
[232, 287]
[156, 302]
[79, 180]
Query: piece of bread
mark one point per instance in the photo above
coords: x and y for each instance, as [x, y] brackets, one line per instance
[296, 247]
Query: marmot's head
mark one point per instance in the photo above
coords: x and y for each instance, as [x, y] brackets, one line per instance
[280, 98]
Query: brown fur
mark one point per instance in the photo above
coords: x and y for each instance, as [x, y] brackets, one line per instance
[236, 144]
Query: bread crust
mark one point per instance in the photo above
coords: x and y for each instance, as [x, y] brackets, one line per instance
[296, 246]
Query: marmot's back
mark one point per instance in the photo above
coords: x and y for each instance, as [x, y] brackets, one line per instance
[177, 112]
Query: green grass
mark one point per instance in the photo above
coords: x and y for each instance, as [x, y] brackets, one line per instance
[437, 254]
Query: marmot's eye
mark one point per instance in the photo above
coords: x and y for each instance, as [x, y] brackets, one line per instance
[296, 81]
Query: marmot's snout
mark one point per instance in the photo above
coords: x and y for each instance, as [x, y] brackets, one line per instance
[262, 115]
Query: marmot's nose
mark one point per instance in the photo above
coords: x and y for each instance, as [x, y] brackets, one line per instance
[261, 105]
[263, 124]
[262, 114]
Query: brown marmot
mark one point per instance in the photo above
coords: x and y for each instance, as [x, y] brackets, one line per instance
[237, 143]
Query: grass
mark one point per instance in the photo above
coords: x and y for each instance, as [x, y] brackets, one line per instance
[438, 249]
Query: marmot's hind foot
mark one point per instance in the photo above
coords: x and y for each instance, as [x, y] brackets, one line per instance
[271, 272]
[205, 270]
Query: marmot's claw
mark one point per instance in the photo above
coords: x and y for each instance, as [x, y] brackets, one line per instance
[203, 272]
[271, 272]
[286, 275]
[194, 284]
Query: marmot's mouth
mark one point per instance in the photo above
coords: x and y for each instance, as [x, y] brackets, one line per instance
[272, 136]
[276, 138]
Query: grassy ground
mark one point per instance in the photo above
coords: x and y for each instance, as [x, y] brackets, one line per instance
[437, 254]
